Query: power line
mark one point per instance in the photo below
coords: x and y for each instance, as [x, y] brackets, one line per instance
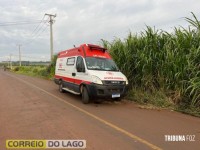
[38, 28]
[35, 36]
[36, 32]
[38, 25]
[19, 23]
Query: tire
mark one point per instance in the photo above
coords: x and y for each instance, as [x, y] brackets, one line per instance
[61, 87]
[85, 96]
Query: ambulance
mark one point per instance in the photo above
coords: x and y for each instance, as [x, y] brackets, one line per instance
[89, 71]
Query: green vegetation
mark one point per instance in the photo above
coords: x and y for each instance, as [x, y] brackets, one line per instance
[163, 68]
[39, 71]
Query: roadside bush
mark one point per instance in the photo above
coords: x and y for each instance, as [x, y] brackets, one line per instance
[16, 69]
[35, 70]
[51, 68]
[43, 73]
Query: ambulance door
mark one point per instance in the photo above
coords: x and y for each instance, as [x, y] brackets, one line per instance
[79, 72]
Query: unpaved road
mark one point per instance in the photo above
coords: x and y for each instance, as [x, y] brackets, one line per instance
[33, 108]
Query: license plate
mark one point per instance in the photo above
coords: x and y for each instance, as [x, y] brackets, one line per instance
[115, 95]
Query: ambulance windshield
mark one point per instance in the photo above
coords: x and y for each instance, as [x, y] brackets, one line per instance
[94, 63]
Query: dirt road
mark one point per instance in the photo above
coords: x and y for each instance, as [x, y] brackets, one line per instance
[33, 108]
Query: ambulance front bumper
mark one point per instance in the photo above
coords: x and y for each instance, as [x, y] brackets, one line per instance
[107, 91]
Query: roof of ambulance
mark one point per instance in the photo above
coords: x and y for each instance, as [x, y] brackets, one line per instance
[85, 50]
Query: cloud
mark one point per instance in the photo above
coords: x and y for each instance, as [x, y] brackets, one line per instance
[85, 21]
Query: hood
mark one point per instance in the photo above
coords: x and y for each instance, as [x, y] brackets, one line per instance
[108, 75]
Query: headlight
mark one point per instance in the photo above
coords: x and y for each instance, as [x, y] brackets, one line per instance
[96, 80]
[126, 81]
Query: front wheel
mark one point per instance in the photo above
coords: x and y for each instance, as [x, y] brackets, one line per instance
[85, 96]
[61, 87]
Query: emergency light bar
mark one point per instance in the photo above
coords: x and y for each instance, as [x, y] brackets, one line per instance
[94, 47]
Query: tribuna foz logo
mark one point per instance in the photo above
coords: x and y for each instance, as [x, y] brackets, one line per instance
[179, 138]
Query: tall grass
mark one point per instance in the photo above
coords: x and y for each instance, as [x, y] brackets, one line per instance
[155, 60]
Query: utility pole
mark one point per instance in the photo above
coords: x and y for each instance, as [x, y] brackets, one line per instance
[51, 21]
[10, 61]
[20, 64]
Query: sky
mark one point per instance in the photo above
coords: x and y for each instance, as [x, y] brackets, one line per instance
[82, 21]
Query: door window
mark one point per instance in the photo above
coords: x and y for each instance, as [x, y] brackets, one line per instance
[80, 64]
[71, 61]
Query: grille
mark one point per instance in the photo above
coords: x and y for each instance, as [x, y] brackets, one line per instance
[113, 82]
[115, 90]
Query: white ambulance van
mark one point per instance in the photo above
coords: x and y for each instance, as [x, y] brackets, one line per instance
[89, 70]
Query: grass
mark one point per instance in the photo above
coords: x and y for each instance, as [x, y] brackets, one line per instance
[163, 68]
[157, 98]
[38, 71]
